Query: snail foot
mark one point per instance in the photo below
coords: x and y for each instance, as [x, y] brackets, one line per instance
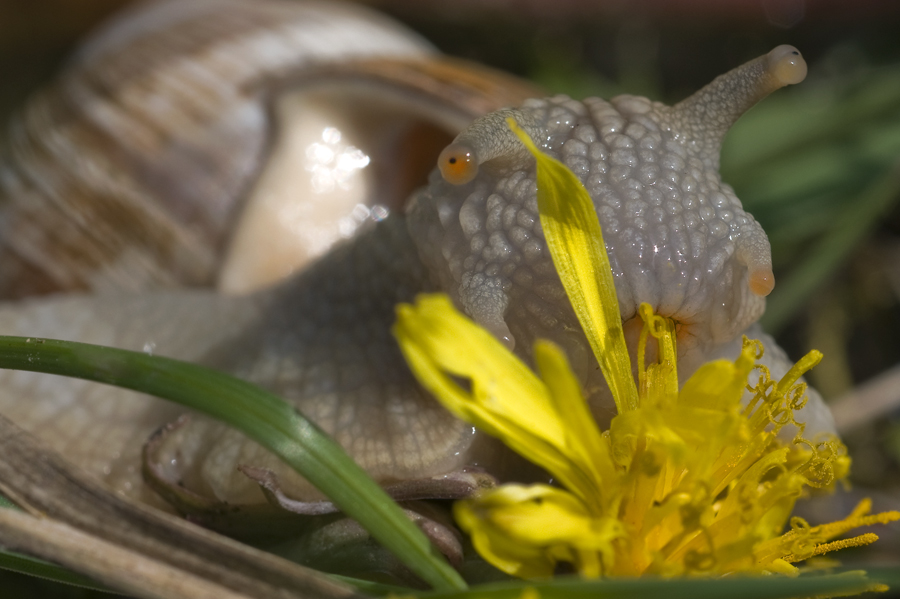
[342, 546]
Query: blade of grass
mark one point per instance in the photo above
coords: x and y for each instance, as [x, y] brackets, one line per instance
[807, 117]
[763, 587]
[24, 564]
[369, 587]
[853, 223]
[260, 415]
[38, 568]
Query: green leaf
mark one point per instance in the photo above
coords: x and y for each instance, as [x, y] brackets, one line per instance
[24, 564]
[762, 587]
[377, 589]
[829, 252]
[803, 163]
[261, 416]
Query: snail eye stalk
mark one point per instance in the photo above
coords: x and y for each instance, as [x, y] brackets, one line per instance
[786, 65]
[458, 163]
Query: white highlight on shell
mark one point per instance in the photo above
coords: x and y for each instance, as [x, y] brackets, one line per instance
[359, 215]
[332, 163]
[306, 199]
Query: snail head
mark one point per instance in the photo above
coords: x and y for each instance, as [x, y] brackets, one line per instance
[677, 235]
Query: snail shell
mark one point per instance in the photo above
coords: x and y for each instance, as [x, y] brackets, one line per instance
[168, 153]
[676, 234]
[178, 118]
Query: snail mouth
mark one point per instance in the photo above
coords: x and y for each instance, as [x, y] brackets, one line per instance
[689, 343]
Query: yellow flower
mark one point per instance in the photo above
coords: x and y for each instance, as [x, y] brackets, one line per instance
[685, 481]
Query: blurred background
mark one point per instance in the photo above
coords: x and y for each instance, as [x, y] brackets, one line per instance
[817, 164]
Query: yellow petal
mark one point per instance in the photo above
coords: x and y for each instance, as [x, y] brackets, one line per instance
[585, 445]
[718, 385]
[500, 550]
[440, 343]
[525, 530]
[573, 235]
[505, 398]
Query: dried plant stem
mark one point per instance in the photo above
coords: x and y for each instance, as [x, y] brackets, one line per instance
[868, 402]
[120, 568]
[152, 543]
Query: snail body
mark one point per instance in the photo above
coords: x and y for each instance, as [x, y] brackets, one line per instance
[676, 235]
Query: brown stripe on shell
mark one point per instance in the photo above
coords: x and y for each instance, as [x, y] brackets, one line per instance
[97, 166]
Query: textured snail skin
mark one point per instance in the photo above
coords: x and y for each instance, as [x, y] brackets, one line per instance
[677, 238]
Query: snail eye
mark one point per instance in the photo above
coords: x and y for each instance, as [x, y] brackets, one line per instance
[786, 65]
[458, 163]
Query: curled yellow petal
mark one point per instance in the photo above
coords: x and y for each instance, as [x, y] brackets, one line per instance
[526, 530]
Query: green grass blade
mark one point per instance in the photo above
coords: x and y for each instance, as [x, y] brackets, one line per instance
[829, 251]
[23, 564]
[369, 587]
[263, 417]
[803, 163]
[762, 587]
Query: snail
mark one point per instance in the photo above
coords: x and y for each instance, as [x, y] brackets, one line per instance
[677, 237]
